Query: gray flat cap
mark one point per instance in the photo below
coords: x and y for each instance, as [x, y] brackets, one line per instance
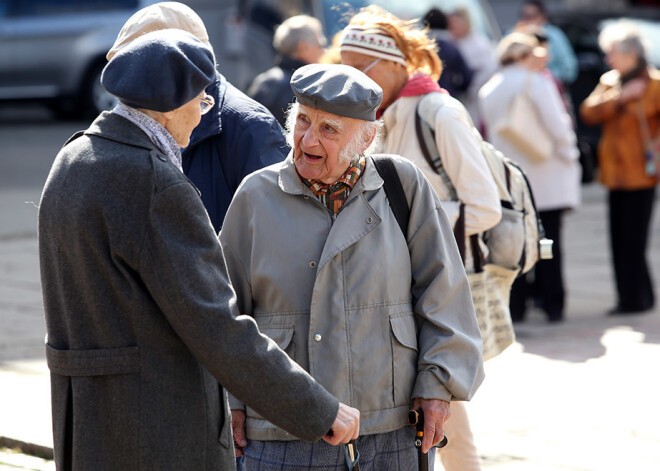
[337, 89]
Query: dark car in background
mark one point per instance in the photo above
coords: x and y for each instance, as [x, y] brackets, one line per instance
[54, 50]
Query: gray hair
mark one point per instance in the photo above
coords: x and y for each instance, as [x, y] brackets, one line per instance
[295, 30]
[624, 36]
[352, 149]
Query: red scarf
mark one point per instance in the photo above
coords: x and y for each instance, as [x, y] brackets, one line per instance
[419, 84]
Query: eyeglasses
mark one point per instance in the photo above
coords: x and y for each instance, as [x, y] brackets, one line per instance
[206, 103]
[370, 66]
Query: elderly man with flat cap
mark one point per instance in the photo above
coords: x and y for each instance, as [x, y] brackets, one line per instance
[142, 321]
[378, 312]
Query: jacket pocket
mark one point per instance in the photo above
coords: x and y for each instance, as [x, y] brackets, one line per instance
[93, 362]
[404, 358]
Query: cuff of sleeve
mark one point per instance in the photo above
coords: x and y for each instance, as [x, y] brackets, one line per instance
[428, 386]
[235, 404]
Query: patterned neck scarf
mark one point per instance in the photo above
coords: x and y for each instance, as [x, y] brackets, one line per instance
[160, 136]
[334, 195]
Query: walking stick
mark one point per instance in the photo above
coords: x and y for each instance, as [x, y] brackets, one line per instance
[416, 418]
[352, 456]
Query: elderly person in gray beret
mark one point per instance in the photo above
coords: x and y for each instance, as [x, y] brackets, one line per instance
[142, 321]
[378, 313]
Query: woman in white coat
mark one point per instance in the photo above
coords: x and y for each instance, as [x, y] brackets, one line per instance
[402, 60]
[555, 181]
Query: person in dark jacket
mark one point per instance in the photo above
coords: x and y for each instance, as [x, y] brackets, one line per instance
[456, 75]
[142, 320]
[238, 135]
[299, 40]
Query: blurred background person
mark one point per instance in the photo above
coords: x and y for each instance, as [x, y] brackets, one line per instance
[479, 53]
[456, 75]
[401, 58]
[562, 63]
[554, 181]
[626, 103]
[235, 138]
[299, 40]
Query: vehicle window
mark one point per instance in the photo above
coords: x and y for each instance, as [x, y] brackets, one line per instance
[18, 8]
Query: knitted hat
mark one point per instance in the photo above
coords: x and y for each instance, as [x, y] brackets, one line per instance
[371, 42]
[160, 71]
[163, 15]
[337, 89]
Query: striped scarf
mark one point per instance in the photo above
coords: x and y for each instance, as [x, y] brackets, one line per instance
[334, 195]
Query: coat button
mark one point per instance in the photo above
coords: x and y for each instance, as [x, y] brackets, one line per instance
[370, 220]
[312, 264]
[317, 337]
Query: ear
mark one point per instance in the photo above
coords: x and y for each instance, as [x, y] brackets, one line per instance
[368, 138]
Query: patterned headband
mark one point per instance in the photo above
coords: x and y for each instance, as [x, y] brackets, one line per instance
[372, 42]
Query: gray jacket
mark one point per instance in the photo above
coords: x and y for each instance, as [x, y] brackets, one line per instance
[374, 319]
[142, 320]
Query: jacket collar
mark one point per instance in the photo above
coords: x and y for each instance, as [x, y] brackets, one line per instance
[290, 182]
[211, 123]
[116, 128]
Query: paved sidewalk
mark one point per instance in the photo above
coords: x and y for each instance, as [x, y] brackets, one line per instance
[577, 396]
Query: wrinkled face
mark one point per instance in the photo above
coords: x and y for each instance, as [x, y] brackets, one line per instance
[319, 138]
[390, 76]
[621, 61]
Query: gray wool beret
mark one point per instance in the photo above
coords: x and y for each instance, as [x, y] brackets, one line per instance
[337, 89]
[160, 71]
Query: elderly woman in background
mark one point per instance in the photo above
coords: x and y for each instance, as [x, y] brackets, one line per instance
[626, 103]
[380, 315]
[142, 322]
[401, 58]
[555, 180]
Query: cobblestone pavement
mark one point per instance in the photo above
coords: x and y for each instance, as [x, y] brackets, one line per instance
[576, 396]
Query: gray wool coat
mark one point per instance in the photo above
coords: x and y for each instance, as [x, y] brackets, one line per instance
[142, 321]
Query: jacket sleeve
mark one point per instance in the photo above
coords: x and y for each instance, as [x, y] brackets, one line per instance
[257, 145]
[183, 268]
[563, 63]
[450, 364]
[467, 168]
[601, 105]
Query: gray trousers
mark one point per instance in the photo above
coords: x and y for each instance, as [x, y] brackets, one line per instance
[381, 452]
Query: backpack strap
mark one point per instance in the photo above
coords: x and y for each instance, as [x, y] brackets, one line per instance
[426, 138]
[394, 191]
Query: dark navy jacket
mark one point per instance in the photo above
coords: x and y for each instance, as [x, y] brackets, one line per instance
[237, 137]
[272, 88]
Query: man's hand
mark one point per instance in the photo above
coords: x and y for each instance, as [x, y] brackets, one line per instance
[238, 429]
[436, 413]
[345, 427]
